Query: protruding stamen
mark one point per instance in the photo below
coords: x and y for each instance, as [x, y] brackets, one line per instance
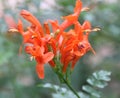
[31, 58]
[88, 30]
[52, 34]
[93, 30]
[57, 31]
[33, 36]
[93, 51]
[13, 30]
[85, 9]
[96, 29]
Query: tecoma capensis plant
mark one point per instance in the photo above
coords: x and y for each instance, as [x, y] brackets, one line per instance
[60, 48]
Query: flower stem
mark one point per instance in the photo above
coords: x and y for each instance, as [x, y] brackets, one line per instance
[70, 87]
[61, 77]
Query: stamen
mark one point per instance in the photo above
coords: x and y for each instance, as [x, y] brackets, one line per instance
[93, 30]
[88, 30]
[33, 36]
[85, 9]
[13, 30]
[57, 31]
[52, 34]
[32, 57]
[96, 29]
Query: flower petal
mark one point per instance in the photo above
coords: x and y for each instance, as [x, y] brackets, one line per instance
[86, 25]
[20, 27]
[40, 70]
[78, 6]
[28, 16]
[48, 57]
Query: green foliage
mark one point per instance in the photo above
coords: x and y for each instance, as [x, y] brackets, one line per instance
[98, 80]
[104, 15]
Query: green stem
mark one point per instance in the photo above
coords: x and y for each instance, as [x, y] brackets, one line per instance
[70, 87]
[67, 83]
[61, 77]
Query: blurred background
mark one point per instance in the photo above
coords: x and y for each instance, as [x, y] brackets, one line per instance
[18, 78]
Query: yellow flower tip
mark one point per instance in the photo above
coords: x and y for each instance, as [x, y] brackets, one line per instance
[52, 34]
[58, 30]
[93, 30]
[93, 51]
[13, 30]
[96, 29]
[33, 36]
[85, 9]
[31, 58]
[88, 30]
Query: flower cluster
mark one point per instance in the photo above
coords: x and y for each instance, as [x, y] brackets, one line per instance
[45, 46]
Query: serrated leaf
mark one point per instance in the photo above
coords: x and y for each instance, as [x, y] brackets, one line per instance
[48, 85]
[92, 91]
[83, 95]
[97, 83]
[54, 87]
[102, 75]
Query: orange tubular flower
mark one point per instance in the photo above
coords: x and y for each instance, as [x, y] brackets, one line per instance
[28, 16]
[71, 19]
[41, 58]
[60, 48]
[77, 44]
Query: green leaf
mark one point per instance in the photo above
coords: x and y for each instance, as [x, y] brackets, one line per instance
[54, 87]
[102, 75]
[83, 95]
[91, 90]
[98, 79]
[97, 83]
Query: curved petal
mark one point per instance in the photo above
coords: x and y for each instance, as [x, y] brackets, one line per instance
[20, 26]
[29, 17]
[78, 7]
[40, 70]
[47, 57]
[86, 25]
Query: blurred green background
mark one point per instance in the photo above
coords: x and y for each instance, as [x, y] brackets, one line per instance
[18, 78]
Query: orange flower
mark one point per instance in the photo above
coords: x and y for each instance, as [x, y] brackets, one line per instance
[71, 19]
[28, 16]
[36, 43]
[60, 46]
[76, 45]
[41, 58]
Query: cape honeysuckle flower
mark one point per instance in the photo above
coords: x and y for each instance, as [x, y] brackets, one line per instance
[59, 48]
[77, 44]
[28, 16]
[42, 58]
[71, 19]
